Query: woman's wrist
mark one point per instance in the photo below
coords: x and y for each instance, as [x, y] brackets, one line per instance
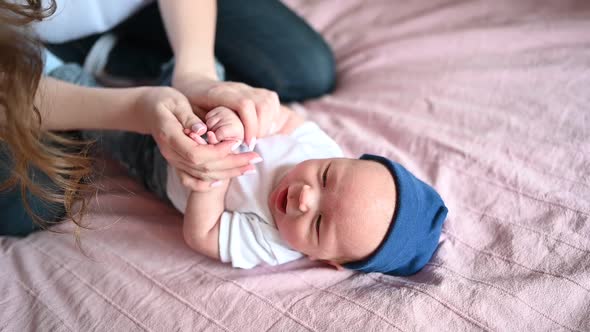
[139, 115]
[190, 26]
[189, 68]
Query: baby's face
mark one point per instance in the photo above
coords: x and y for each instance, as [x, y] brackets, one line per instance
[334, 209]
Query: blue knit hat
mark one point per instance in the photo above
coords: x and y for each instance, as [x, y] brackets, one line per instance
[415, 228]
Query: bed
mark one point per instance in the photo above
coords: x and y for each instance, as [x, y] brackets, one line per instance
[488, 101]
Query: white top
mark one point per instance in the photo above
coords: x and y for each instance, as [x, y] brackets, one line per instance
[75, 19]
[247, 233]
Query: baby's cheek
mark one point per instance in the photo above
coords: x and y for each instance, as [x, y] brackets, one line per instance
[287, 236]
[293, 237]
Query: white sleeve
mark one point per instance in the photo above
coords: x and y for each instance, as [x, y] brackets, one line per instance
[246, 240]
[75, 19]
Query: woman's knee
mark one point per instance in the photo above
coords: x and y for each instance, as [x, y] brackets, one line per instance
[311, 73]
[265, 44]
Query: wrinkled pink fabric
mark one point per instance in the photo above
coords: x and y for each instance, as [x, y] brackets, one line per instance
[488, 101]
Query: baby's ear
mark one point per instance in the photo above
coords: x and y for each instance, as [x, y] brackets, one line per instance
[329, 262]
[334, 264]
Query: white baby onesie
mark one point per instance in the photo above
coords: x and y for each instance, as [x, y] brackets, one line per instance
[247, 234]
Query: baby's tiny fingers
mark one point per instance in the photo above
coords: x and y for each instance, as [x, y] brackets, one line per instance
[212, 138]
[229, 132]
[197, 138]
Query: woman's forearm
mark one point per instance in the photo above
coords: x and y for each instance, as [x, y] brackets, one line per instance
[190, 26]
[65, 106]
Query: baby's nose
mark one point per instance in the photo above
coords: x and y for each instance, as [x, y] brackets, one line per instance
[306, 199]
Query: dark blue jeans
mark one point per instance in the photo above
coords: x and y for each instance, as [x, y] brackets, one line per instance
[260, 42]
[14, 220]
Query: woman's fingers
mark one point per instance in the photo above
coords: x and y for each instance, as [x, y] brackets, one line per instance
[257, 108]
[228, 173]
[234, 161]
[203, 160]
[213, 153]
[186, 116]
[197, 138]
[246, 109]
[203, 182]
[267, 109]
[172, 102]
[230, 166]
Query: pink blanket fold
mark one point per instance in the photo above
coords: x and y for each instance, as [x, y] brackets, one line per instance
[488, 101]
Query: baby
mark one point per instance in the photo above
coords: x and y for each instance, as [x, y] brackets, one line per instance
[369, 214]
[304, 198]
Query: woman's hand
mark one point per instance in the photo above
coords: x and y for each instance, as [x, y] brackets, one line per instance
[223, 124]
[258, 108]
[168, 113]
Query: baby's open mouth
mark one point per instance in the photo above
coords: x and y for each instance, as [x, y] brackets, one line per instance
[282, 200]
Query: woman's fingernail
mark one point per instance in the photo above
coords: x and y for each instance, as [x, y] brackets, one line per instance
[255, 160]
[250, 171]
[199, 128]
[236, 146]
[200, 140]
[216, 183]
[252, 144]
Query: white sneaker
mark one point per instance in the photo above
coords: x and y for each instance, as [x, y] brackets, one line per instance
[98, 56]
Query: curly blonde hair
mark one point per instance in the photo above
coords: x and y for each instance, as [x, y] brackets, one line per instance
[62, 159]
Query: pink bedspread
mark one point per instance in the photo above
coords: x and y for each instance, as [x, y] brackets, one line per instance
[489, 101]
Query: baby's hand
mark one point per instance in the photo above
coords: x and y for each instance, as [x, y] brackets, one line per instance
[223, 124]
